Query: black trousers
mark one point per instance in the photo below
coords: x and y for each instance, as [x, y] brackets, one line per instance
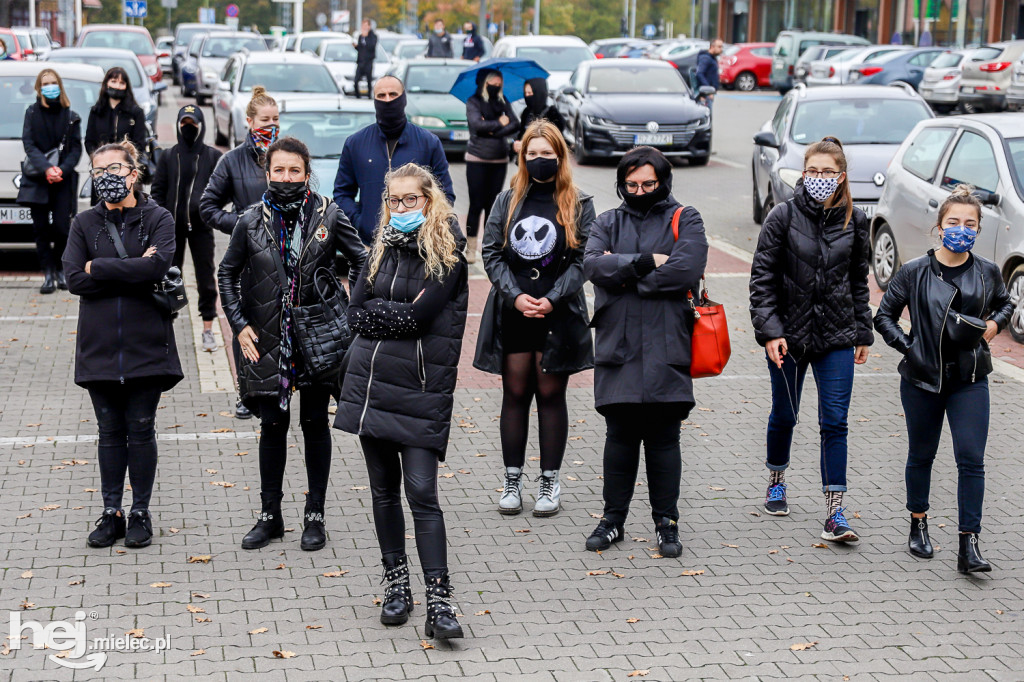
[364, 72]
[486, 180]
[389, 464]
[200, 243]
[126, 416]
[51, 223]
[316, 436]
[657, 427]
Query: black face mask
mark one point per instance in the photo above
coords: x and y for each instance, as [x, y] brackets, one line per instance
[542, 169]
[644, 202]
[536, 102]
[114, 93]
[493, 91]
[190, 134]
[391, 116]
[287, 196]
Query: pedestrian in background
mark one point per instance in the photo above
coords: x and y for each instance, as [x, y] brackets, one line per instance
[409, 314]
[472, 44]
[642, 386]
[535, 329]
[366, 52]
[278, 250]
[181, 174]
[439, 43]
[809, 303]
[708, 71]
[491, 121]
[535, 94]
[957, 304]
[50, 124]
[116, 117]
[125, 352]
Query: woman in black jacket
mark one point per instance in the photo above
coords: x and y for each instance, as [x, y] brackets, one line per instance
[642, 385]
[957, 303]
[535, 94]
[277, 252]
[409, 313]
[115, 117]
[491, 121]
[51, 124]
[125, 350]
[534, 330]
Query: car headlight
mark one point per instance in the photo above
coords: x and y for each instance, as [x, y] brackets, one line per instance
[152, 69]
[210, 76]
[598, 121]
[790, 176]
[704, 122]
[427, 121]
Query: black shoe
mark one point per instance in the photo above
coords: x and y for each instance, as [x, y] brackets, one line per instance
[919, 543]
[140, 529]
[398, 594]
[269, 525]
[441, 621]
[604, 535]
[314, 536]
[49, 282]
[62, 282]
[668, 538]
[241, 411]
[837, 529]
[109, 528]
[969, 560]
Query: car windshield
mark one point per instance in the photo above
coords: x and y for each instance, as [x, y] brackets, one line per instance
[105, 63]
[986, 53]
[288, 78]
[39, 40]
[889, 56]
[434, 79]
[389, 42]
[121, 40]
[784, 47]
[857, 121]
[556, 57]
[224, 47]
[1016, 159]
[312, 43]
[18, 92]
[339, 52]
[731, 50]
[947, 60]
[635, 80]
[325, 132]
[8, 41]
[411, 49]
[185, 35]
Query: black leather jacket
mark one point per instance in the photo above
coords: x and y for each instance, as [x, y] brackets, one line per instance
[239, 180]
[918, 285]
[488, 139]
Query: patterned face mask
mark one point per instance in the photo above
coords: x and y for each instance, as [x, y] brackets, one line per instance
[265, 136]
[820, 189]
[958, 238]
[111, 188]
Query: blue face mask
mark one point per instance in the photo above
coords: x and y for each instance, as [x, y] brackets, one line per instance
[407, 222]
[958, 238]
[50, 91]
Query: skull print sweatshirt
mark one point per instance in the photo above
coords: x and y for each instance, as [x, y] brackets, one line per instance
[536, 241]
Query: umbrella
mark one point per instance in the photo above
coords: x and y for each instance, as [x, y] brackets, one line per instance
[515, 73]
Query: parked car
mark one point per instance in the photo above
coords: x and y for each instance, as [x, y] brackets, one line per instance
[616, 47]
[987, 75]
[339, 54]
[164, 49]
[309, 41]
[1015, 93]
[835, 70]
[413, 49]
[207, 56]
[682, 55]
[986, 151]
[746, 66]
[123, 37]
[183, 34]
[902, 66]
[789, 45]
[612, 105]
[324, 123]
[430, 106]
[940, 86]
[870, 121]
[802, 68]
[19, 50]
[389, 40]
[38, 39]
[274, 43]
[558, 55]
[187, 75]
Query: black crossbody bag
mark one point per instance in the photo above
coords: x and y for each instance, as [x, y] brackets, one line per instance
[169, 293]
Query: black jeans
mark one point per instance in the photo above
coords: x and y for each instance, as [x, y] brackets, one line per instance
[364, 72]
[126, 415]
[316, 436]
[200, 243]
[51, 223]
[966, 407]
[657, 426]
[486, 180]
[389, 464]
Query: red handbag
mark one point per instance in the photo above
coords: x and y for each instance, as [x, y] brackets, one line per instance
[709, 345]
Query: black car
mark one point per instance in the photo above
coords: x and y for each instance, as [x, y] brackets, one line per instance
[613, 105]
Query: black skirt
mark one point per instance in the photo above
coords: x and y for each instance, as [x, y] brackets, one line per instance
[521, 334]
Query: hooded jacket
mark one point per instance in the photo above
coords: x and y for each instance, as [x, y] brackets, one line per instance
[184, 171]
[239, 180]
[472, 45]
[488, 139]
[43, 130]
[707, 70]
[537, 108]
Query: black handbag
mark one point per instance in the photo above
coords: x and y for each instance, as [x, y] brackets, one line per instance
[321, 328]
[169, 293]
[28, 169]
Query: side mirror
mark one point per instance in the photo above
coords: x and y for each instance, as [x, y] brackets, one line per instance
[569, 90]
[987, 198]
[159, 87]
[705, 91]
[766, 138]
[223, 85]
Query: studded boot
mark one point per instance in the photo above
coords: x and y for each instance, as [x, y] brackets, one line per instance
[269, 524]
[314, 535]
[969, 559]
[398, 592]
[919, 543]
[441, 621]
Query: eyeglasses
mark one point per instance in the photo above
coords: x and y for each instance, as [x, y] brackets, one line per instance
[409, 200]
[113, 169]
[648, 185]
[826, 174]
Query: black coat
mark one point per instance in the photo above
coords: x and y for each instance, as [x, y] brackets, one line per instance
[108, 125]
[39, 138]
[569, 346]
[250, 286]
[439, 45]
[644, 323]
[239, 180]
[488, 139]
[809, 278]
[550, 115]
[121, 333]
[182, 173]
[919, 286]
[366, 49]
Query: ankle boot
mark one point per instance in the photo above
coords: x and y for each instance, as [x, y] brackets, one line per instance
[49, 282]
[398, 592]
[969, 560]
[919, 543]
[269, 524]
[314, 536]
[549, 496]
[62, 281]
[511, 501]
[471, 247]
[441, 621]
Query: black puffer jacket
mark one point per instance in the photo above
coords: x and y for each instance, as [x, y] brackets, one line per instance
[809, 278]
[250, 287]
[239, 180]
[183, 171]
[488, 139]
[918, 285]
[44, 129]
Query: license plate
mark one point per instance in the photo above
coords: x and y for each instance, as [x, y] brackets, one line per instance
[459, 135]
[967, 90]
[653, 138]
[15, 215]
[869, 209]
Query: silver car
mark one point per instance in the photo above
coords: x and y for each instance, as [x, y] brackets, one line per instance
[324, 123]
[214, 52]
[940, 85]
[835, 70]
[339, 54]
[1015, 93]
[986, 151]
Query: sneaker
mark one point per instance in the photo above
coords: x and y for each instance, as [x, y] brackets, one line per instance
[511, 501]
[604, 535]
[549, 495]
[837, 529]
[109, 528]
[668, 538]
[140, 529]
[241, 411]
[209, 343]
[775, 501]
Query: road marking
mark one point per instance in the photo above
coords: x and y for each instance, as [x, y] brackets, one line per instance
[214, 371]
[171, 437]
[730, 249]
[727, 162]
[34, 318]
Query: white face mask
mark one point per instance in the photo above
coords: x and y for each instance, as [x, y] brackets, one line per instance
[820, 189]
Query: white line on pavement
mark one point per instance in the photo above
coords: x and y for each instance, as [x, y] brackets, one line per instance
[173, 437]
[34, 318]
[730, 164]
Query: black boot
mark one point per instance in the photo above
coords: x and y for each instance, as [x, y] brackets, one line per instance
[109, 528]
[441, 621]
[398, 592]
[969, 560]
[140, 529]
[314, 536]
[919, 543]
[269, 524]
[49, 282]
[62, 282]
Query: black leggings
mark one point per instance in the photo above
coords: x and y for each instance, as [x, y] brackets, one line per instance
[51, 223]
[522, 379]
[126, 415]
[486, 180]
[200, 243]
[388, 464]
[316, 436]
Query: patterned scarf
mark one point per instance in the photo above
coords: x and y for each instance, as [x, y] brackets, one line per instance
[396, 238]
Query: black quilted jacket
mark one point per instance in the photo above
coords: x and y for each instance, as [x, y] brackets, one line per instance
[809, 278]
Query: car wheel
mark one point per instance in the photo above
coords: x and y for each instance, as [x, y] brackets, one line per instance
[231, 132]
[758, 208]
[885, 259]
[700, 160]
[769, 204]
[218, 137]
[580, 150]
[1015, 288]
[968, 108]
[746, 82]
[944, 109]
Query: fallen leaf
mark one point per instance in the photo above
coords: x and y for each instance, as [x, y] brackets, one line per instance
[5, 649]
[790, 560]
[80, 581]
[463, 471]
[34, 424]
[534, 459]
[521, 530]
[426, 645]
[715, 488]
[479, 454]
[570, 438]
[802, 646]
[279, 567]
[754, 513]
[941, 525]
[783, 546]
[198, 652]
[597, 572]
[820, 545]
[856, 515]
[90, 490]
[639, 673]
[259, 631]
[284, 654]
[174, 530]
[241, 454]
[863, 419]
[572, 478]
[211, 471]
[201, 619]
[120, 551]
[377, 601]
[596, 516]
[26, 574]
[226, 414]
[49, 507]
[63, 654]
[335, 574]
[314, 627]
[698, 572]
[200, 414]
[192, 608]
[640, 540]
[200, 559]
[137, 633]
[159, 584]
[486, 611]
[999, 612]
[656, 556]
[200, 595]
[26, 605]
[726, 544]
[773, 551]
[223, 484]
[618, 575]
[360, 487]
[632, 620]
[223, 430]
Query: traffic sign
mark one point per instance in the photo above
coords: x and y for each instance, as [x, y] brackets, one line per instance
[492, 28]
[231, 10]
[207, 15]
[650, 30]
[135, 9]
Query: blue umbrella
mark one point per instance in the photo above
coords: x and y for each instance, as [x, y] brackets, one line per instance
[515, 73]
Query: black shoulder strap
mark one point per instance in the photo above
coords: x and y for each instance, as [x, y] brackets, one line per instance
[116, 238]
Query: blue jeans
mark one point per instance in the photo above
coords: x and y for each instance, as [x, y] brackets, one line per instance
[833, 374]
[966, 407]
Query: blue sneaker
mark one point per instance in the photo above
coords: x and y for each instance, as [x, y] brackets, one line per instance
[775, 501]
[837, 529]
